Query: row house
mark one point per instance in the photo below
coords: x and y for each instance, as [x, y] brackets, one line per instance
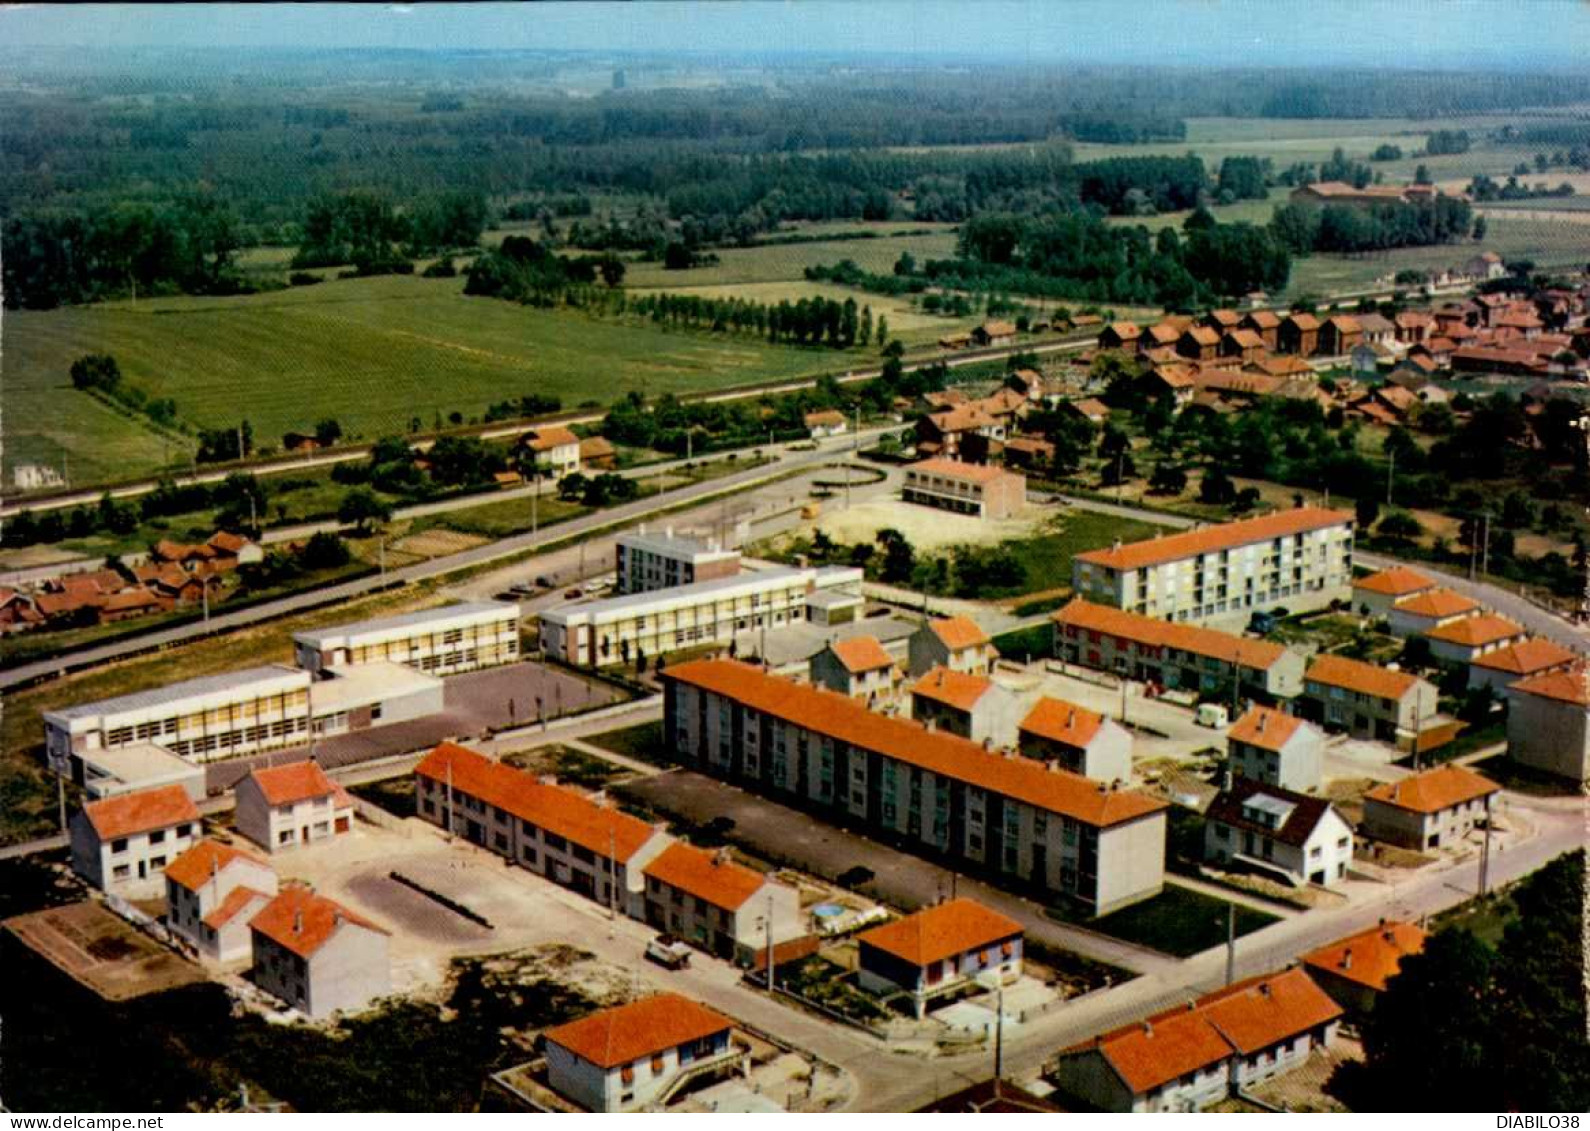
[1503, 667]
[1377, 593]
[1426, 610]
[1354, 970]
[1366, 700]
[212, 891]
[1469, 638]
[937, 794]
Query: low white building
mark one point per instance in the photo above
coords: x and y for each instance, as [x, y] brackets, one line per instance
[861, 668]
[141, 765]
[1429, 609]
[122, 844]
[1077, 739]
[957, 643]
[1433, 809]
[1548, 723]
[938, 952]
[1291, 836]
[1276, 749]
[317, 955]
[1470, 638]
[635, 1056]
[550, 450]
[1536, 656]
[1375, 594]
[828, 422]
[616, 630]
[378, 693]
[727, 909]
[442, 641]
[292, 806]
[212, 891]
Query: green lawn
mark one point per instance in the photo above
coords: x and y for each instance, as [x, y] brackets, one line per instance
[370, 352]
[1020, 643]
[1179, 921]
[643, 742]
[1046, 558]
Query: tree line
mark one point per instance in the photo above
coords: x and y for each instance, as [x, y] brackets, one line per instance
[1303, 228]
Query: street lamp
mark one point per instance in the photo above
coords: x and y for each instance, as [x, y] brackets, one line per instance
[991, 980]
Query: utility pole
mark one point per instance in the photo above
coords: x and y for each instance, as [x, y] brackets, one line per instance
[770, 942]
[1485, 545]
[1231, 943]
[1120, 475]
[1391, 474]
[450, 831]
[60, 797]
[535, 500]
[612, 881]
[1485, 849]
[999, 1036]
[381, 555]
[855, 437]
[1418, 710]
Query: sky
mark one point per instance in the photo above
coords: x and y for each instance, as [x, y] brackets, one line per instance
[1491, 34]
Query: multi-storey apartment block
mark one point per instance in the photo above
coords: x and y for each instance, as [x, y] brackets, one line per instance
[647, 562]
[453, 638]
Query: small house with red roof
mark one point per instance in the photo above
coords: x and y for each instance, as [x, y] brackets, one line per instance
[290, 806]
[1471, 638]
[122, 844]
[1503, 667]
[317, 955]
[972, 706]
[1425, 611]
[551, 450]
[212, 891]
[957, 643]
[636, 1056]
[725, 908]
[938, 952]
[1275, 748]
[861, 668]
[1355, 970]
[1548, 722]
[1376, 593]
[1076, 739]
[1433, 809]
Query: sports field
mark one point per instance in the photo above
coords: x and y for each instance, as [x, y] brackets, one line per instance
[373, 353]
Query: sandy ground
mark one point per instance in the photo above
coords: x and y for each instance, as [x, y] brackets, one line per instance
[103, 952]
[924, 527]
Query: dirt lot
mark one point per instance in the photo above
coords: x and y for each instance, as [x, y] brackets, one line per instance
[924, 527]
[103, 952]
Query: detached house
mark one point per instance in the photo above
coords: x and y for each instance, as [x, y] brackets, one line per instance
[1470, 638]
[290, 806]
[635, 1056]
[938, 952]
[1299, 334]
[1429, 810]
[956, 643]
[1355, 970]
[1376, 594]
[1429, 609]
[318, 956]
[122, 844]
[972, 706]
[1536, 656]
[1548, 723]
[1077, 739]
[212, 891]
[1265, 323]
[860, 668]
[725, 908]
[1339, 335]
[551, 450]
[1276, 749]
[1292, 836]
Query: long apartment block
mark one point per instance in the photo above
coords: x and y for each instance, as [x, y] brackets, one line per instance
[941, 795]
[1175, 655]
[441, 641]
[1300, 559]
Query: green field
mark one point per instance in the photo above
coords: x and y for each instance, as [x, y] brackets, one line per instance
[1179, 921]
[370, 352]
[775, 263]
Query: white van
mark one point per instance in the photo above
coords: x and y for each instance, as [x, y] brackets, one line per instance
[1212, 715]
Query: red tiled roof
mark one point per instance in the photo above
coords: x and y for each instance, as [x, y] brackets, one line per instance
[954, 469]
[238, 900]
[1261, 1012]
[961, 418]
[1436, 603]
[1060, 721]
[1246, 339]
[941, 932]
[1265, 728]
[1569, 686]
[1536, 654]
[627, 1033]
[1434, 790]
[958, 632]
[1370, 957]
[303, 922]
[1158, 1051]
[1225, 536]
[861, 654]
[956, 689]
[1260, 655]
[549, 436]
[293, 782]
[553, 807]
[1264, 319]
[1355, 675]
[1090, 407]
[824, 418]
[1202, 335]
[596, 447]
[1395, 582]
[193, 869]
[227, 542]
[1303, 321]
[709, 876]
[1477, 631]
[945, 755]
[141, 811]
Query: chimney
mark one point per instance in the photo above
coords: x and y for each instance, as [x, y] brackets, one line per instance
[1264, 989]
[1264, 717]
[336, 916]
[1071, 718]
[932, 724]
[988, 744]
[1148, 1028]
[1054, 765]
[298, 922]
[1347, 959]
[721, 856]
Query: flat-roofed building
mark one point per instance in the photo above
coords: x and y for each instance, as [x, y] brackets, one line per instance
[1375, 594]
[1469, 638]
[1301, 558]
[1432, 809]
[1190, 1057]
[212, 891]
[122, 844]
[938, 793]
[1076, 739]
[1504, 666]
[317, 955]
[939, 951]
[1548, 723]
[861, 668]
[211, 717]
[140, 765]
[377, 693]
[1292, 836]
[1184, 656]
[615, 630]
[965, 488]
[648, 562]
[723, 907]
[1355, 970]
[1366, 700]
[958, 643]
[549, 829]
[635, 1056]
[1424, 612]
[440, 641]
[1276, 749]
[292, 806]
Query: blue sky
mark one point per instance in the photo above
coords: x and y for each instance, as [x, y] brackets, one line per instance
[1298, 33]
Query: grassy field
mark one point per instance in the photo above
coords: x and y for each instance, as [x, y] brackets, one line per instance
[776, 263]
[643, 742]
[910, 325]
[1179, 921]
[372, 353]
[1046, 559]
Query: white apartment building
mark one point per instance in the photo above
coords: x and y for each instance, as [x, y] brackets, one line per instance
[212, 891]
[122, 844]
[1292, 836]
[441, 641]
[215, 716]
[965, 488]
[635, 1056]
[648, 562]
[1548, 723]
[615, 630]
[1301, 559]
[292, 806]
[317, 955]
[1276, 749]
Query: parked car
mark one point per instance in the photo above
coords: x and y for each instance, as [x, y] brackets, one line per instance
[669, 952]
[544, 582]
[574, 594]
[522, 589]
[1212, 715]
[595, 585]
